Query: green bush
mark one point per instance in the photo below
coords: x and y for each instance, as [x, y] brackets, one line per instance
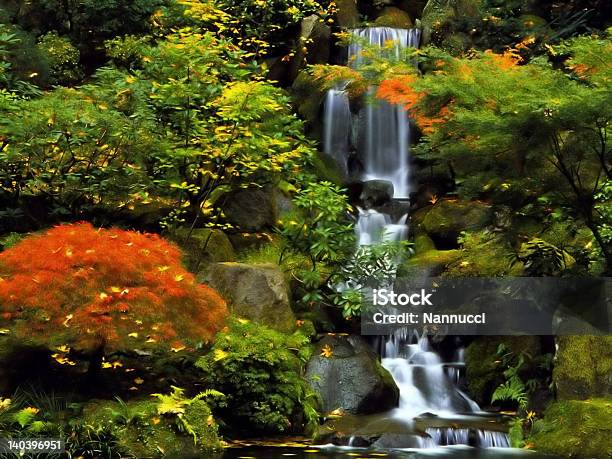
[259, 371]
[62, 57]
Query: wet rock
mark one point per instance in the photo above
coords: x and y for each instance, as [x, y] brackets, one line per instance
[351, 378]
[399, 440]
[376, 193]
[256, 292]
[391, 16]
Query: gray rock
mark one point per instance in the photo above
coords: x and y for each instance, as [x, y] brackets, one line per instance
[256, 292]
[313, 44]
[250, 209]
[352, 378]
[376, 193]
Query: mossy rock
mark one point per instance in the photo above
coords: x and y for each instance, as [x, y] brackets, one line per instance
[437, 12]
[142, 432]
[433, 261]
[391, 16]
[448, 218]
[308, 95]
[583, 367]
[203, 246]
[347, 14]
[573, 428]
[531, 21]
[457, 43]
[328, 169]
[256, 292]
[482, 363]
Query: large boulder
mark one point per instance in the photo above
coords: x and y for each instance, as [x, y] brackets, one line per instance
[313, 44]
[574, 428]
[256, 292]
[391, 16]
[348, 376]
[583, 367]
[250, 209]
[203, 246]
[347, 14]
[447, 218]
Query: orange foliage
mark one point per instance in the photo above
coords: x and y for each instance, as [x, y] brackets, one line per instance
[91, 288]
[399, 91]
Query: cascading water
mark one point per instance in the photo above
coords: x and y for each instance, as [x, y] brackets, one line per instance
[337, 122]
[383, 143]
[428, 386]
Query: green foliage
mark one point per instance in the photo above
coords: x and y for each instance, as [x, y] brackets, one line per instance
[369, 267]
[541, 258]
[320, 229]
[176, 405]
[262, 26]
[489, 115]
[259, 370]
[512, 390]
[514, 367]
[62, 58]
[127, 51]
[75, 149]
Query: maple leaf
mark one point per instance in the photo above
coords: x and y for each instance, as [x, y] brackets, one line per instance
[327, 351]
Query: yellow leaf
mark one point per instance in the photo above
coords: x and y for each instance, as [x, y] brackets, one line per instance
[179, 277]
[139, 381]
[133, 335]
[177, 348]
[243, 321]
[220, 354]
[327, 351]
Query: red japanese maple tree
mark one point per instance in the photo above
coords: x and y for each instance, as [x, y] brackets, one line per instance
[99, 290]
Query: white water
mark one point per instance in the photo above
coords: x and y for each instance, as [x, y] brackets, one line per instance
[383, 142]
[428, 386]
[337, 127]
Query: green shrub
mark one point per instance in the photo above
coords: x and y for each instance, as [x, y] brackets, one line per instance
[259, 370]
[62, 57]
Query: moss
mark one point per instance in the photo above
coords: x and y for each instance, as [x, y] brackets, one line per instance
[327, 169]
[482, 365]
[433, 260]
[203, 246]
[391, 16]
[572, 428]
[484, 254]
[143, 433]
[448, 218]
[583, 366]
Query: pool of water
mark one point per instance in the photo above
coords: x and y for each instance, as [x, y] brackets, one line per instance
[456, 452]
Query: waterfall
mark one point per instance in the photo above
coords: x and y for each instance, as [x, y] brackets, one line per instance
[429, 387]
[337, 131]
[383, 143]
